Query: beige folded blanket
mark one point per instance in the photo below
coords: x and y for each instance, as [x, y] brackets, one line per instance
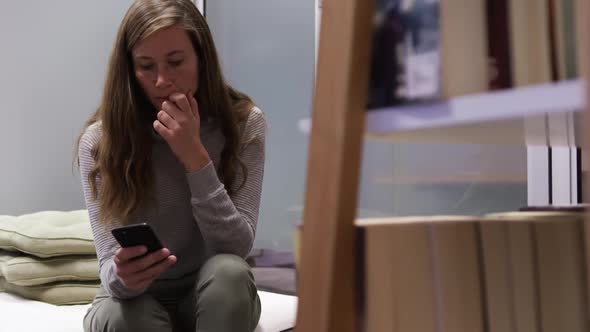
[48, 233]
[24, 270]
[60, 293]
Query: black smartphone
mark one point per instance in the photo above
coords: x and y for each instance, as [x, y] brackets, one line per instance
[136, 235]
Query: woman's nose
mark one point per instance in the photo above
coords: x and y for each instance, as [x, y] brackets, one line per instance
[163, 79]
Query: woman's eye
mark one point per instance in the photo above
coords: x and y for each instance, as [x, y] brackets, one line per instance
[175, 63]
[146, 67]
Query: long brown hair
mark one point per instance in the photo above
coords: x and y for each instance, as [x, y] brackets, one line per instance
[123, 153]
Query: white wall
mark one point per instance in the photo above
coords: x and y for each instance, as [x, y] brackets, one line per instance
[267, 50]
[200, 4]
[318, 22]
[52, 62]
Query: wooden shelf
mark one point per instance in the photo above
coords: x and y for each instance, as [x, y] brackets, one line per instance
[491, 118]
[479, 178]
[329, 273]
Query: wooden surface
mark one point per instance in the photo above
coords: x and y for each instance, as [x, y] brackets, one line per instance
[327, 279]
[503, 132]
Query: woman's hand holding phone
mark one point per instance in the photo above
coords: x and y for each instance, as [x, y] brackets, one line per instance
[137, 270]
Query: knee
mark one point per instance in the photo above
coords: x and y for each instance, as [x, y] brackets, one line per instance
[143, 313]
[227, 279]
[227, 269]
[140, 314]
[226, 290]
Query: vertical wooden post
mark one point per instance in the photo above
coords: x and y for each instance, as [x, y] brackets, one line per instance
[583, 45]
[327, 275]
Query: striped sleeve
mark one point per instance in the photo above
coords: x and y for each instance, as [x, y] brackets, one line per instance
[228, 225]
[105, 243]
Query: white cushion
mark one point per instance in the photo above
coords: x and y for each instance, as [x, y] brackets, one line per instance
[22, 315]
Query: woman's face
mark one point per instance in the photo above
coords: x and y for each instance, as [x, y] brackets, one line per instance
[165, 63]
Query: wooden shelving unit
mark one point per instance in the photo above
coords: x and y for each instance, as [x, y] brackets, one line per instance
[328, 273]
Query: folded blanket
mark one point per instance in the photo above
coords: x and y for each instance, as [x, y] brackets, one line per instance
[24, 270]
[48, 233]
[276, 280]
[60, 293]
[271, 258]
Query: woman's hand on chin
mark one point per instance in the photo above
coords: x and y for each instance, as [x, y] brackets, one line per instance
[179, 123]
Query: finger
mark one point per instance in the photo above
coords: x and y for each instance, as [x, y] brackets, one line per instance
[155, 270]
[166, 120]
[162, 130]
[145, 262]
[123, 255]
[173, 110]
[182, 102]
[151, 273]
[135, 266]
[194, 106]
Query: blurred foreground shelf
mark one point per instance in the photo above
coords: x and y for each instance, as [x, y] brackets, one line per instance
[496, 117]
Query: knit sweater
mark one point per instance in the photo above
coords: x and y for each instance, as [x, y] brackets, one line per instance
[194, 217]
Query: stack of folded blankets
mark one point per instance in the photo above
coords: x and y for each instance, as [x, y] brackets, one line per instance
[274, 270]
[49, 256]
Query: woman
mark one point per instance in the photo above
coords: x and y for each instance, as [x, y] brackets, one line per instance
[174, 146]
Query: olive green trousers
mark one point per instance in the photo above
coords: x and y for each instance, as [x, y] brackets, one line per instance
[223, 299]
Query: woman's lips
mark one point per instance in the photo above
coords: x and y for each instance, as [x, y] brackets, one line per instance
[160, 100]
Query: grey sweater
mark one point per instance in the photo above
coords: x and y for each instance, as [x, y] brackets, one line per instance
[194, 216]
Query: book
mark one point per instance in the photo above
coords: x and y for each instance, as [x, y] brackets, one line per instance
[405, 61]
[547, 253]
[422, 274]
[561, 275]
[524, 278]
[459, 274]
[399, 285]
[498, 38]
[510, 274]
[464, 51]
[529, 42]
[497, 277]
[426, 50]
[563, 35]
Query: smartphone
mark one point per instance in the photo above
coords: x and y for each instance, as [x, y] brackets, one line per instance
[136, 235]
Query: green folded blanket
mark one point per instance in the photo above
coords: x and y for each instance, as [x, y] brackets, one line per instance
[60, 293]
[48, 233]
[23, 270]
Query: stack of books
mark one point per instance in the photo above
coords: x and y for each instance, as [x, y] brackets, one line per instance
[507, 272]
[426, 50]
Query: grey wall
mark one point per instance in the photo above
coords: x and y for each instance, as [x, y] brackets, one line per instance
[267, 49]
[52, 62]
[54, 55]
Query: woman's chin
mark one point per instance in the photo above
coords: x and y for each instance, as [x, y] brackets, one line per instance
[157, 102]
